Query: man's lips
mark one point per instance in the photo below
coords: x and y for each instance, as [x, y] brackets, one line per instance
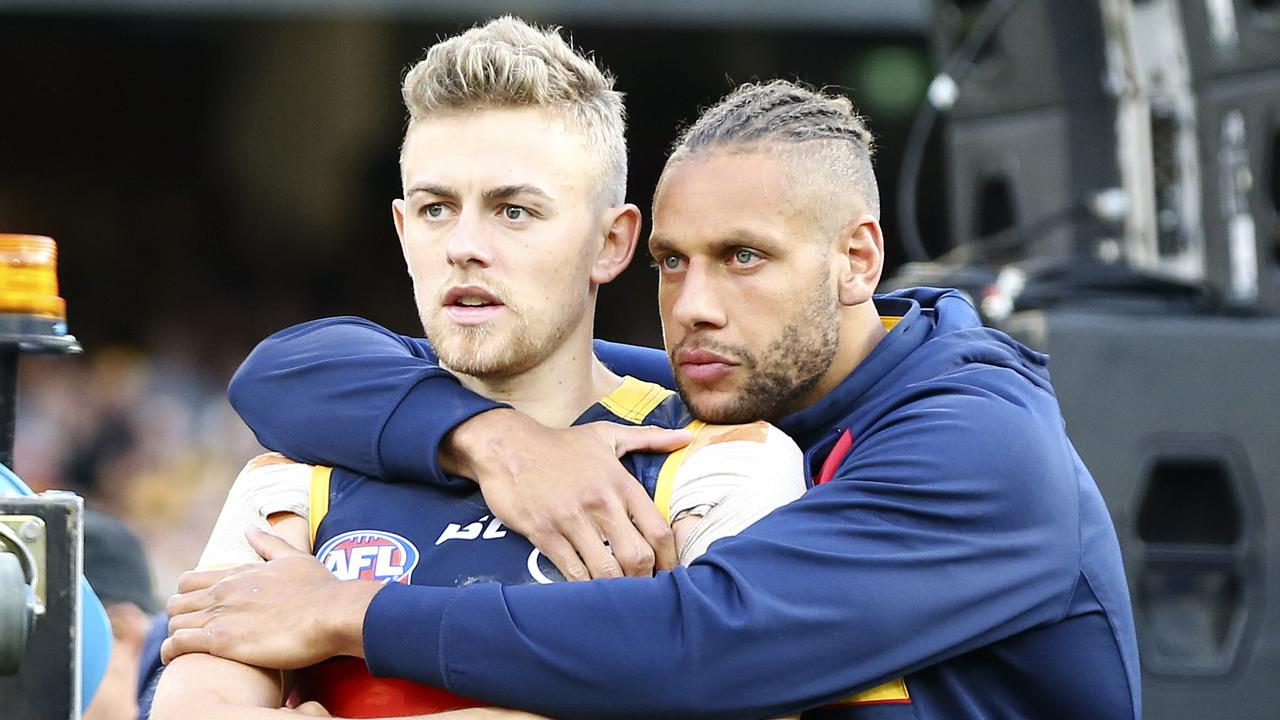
[471, 305]
[702, 365]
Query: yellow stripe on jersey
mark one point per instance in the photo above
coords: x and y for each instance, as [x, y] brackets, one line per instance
[890, 321]
[894, 691]
[634, 399]
[319, 498]
[667, 473]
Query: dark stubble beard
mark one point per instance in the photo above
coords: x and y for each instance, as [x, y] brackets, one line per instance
[782, 375]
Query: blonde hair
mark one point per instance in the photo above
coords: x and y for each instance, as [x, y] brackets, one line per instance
[508, 63]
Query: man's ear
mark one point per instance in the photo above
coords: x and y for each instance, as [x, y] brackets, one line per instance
[620, 232]
[861, 248]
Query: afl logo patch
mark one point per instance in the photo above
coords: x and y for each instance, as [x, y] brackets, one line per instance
[369, 555]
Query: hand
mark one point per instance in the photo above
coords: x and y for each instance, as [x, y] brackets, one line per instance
[566, 491]
[287, 613]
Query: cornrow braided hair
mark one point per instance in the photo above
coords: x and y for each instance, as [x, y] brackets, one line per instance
[821, 128]
[777, 111]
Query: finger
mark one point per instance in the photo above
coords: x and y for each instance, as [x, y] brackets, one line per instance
[561, 554]
[651, 526]
[269, 546]
[188, 602]
[588, 543]
[201, 579]
[183, 642]
[648, 439]
[188, 621]
[630, 549]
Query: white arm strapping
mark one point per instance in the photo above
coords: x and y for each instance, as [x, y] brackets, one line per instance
[734, 483]
[268, 484]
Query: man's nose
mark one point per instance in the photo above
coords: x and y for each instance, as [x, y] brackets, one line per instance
[697, 303]
[469, 242]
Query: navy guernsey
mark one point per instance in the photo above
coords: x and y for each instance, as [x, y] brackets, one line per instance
[959, 543]
[412, 533]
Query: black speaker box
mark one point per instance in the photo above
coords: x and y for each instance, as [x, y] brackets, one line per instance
[1239, 137]
[1176, 418]
[1045, 53]
[1021, 182]
[1229, 37]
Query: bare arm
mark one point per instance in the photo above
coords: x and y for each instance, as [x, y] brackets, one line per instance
[200, 686]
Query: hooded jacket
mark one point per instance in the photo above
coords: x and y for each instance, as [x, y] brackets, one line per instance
[957, 543]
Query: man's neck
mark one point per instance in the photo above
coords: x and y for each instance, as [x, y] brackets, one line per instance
[555, 391]
[860, 331]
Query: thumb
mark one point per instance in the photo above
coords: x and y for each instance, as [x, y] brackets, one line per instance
[269, 546]
[649, 439]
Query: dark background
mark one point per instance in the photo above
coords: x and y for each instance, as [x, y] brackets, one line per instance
[218, 176]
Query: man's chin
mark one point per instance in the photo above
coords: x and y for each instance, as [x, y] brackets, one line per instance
[717, 407]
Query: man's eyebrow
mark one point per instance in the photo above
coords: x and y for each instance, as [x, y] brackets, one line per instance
[658, 243]
[443, 191]
[506, 192]
[724, 243]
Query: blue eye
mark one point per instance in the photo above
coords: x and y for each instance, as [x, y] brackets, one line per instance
[742, 256]
[514, 212]
[671, 262]
[433, 210]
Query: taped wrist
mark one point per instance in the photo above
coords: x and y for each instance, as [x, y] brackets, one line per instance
[268, 484]
[733, 481]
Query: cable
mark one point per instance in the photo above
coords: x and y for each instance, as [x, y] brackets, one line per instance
[940, 97]
[1014, 237]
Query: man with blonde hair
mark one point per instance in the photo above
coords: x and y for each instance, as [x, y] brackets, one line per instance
[513, 168]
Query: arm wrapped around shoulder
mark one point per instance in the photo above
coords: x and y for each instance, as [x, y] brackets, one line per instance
[731, 477]
[268, 484]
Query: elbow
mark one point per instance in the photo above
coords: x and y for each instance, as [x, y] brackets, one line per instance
[244, 384]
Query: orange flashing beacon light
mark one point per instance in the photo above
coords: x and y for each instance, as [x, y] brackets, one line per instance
[29, 277]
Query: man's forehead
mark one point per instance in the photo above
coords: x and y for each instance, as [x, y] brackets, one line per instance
[490, 149]
[724, 195]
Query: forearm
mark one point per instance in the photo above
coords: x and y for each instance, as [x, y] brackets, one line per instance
[849, 584]
[198, 686]
[648, 364]
[344, 391]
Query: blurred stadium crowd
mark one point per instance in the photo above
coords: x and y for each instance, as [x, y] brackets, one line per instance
[145, 436]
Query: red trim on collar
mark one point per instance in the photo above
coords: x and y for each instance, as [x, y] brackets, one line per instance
[835, 457]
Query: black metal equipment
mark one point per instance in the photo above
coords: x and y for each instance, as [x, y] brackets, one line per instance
[1175, 417]
[1032, 134]
[1131, 143]
[1114, 191]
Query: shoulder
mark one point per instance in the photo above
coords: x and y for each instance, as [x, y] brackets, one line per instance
[636, 402]
[981, 445]
[979, 418]
[754, 458]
